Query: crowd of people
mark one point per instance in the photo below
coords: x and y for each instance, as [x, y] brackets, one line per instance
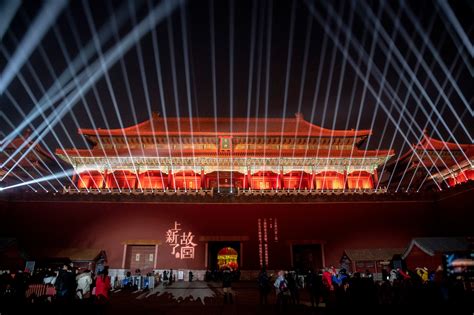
[62, 286]
[328, 288]
[333, 288]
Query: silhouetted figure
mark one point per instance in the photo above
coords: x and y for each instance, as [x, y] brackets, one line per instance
[65, 284]
[127, 281]
[314, 283]
[227, 278]
[171, 277]
[165, 276]
[263, 286]
[20, 286]
[293, 287]
[208, 276]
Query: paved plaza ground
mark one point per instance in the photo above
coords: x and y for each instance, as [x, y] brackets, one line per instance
[203, 298]
[196, 298]
[180, 298]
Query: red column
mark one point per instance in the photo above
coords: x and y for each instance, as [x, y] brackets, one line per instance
[281, 182]
[249, 179]
[137, 179]
[74, 177]
[346, 184]
[170, 179]
[203, 178]
[375, 179]
[311, 184]
[104, 182]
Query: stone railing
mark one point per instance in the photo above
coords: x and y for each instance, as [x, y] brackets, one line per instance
[239, 196]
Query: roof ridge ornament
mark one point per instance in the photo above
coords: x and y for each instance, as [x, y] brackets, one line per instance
[299, 115]
[26, 133]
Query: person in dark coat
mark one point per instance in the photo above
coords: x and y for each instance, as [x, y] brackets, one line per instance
[263, 286]
[227, 278]
[165, 277]
[171, 277]
[292, 279]
[20, 286]
[314, 284]
[65, 284]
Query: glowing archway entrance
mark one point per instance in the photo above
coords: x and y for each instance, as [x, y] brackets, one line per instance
[227, 257]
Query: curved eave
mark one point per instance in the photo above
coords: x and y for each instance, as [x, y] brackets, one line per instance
[454, 169]
[121, 133]
[38, 149]
[85, 153]
[156, 125]
[430, 144]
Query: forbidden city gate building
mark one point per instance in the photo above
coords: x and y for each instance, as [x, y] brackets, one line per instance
[207, 153]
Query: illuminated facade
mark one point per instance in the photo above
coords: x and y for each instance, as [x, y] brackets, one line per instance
[208, 153]
[448, 163]
[36, 161]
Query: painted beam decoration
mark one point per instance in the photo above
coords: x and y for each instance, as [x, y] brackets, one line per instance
[181, 243]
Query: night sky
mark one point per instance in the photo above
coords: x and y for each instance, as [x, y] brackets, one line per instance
[341, 96]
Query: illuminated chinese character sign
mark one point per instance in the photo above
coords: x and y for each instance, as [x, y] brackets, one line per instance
[182, 246]
[265, 228]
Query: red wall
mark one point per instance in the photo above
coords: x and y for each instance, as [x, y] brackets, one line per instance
[106, 225]
[418, 258]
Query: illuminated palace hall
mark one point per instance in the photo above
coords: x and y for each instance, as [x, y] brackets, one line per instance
[263, 154]
[236, 156]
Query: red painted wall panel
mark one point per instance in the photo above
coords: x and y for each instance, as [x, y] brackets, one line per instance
[106, 225]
